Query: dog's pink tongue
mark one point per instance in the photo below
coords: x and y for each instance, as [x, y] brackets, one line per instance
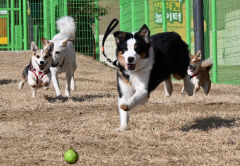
[131, 66]
[41, 67]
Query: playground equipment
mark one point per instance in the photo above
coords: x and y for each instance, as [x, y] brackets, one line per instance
[22, 21]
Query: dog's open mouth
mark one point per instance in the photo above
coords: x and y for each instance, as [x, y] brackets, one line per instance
[131, 66]
[41, 67]
[191, 68]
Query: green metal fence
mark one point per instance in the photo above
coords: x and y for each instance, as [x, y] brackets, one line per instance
[23, 21]
[11, 24]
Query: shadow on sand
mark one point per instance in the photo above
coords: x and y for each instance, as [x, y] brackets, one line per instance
[77, 98]
[3, 82]
[209, 123]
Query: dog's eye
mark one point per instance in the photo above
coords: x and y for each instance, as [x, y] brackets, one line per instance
[124, 50]
[138, 50]
[57, 52]
[38, 56]
[45, 57]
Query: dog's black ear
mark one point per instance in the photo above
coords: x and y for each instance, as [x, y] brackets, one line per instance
[44, 42]
[122, 36]
[34, 47]
[144, 32]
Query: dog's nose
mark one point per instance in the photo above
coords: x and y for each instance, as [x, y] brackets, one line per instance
[130, 59]
[41, 62]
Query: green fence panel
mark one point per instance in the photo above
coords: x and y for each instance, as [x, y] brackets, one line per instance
[18, 37]
[126, 14]
[138, 13]
[228, 41]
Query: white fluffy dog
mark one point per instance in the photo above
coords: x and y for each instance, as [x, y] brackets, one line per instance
[64, 58]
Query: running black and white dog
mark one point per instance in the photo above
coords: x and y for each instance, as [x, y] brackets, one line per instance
[144, 62]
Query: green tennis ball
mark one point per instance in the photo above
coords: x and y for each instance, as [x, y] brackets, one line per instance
[71, 156]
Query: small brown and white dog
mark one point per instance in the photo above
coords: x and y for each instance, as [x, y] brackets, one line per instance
[37, 72]
[198, 74]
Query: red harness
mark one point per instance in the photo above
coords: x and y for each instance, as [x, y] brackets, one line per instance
[39, 74]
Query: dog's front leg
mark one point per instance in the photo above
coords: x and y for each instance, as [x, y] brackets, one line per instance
[188, 86]
[34, 90]
[32, 81]
[124, 115]
[139, 97]
[46, 81]
[55, 83]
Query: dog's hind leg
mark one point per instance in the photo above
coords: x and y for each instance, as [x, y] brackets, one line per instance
[206, 86]
[73, 84]
[68, 82]
[168, 87]
[55, 83]
[24, 76]
[21, 84]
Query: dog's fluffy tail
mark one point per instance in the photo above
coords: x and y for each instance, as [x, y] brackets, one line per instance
[207, 64]
[67, 27]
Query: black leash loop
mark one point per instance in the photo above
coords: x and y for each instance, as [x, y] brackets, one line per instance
[109, 29]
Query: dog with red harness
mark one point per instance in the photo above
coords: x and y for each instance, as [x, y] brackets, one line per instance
[37, 73]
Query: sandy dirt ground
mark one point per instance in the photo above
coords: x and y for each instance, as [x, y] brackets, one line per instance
[176, 130]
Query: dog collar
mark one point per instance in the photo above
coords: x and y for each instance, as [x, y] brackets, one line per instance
[194, 75]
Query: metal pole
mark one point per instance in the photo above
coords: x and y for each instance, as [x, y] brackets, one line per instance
[146, 12]
[214, 42]
[198, 26]
[97, 33]
[133, 16]
[25, 32]
[164, 16]
[12, 26]
[188, 24]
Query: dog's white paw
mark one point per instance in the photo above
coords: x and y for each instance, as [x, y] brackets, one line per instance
[67, 93]
[122, 128]
[167, 94]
